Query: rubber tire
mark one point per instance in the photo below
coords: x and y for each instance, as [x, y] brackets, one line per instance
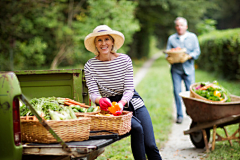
[197, 137]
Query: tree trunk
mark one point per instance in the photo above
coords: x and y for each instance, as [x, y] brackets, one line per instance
[59, 55]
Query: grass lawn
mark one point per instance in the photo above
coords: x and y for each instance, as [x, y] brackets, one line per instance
[156, 91]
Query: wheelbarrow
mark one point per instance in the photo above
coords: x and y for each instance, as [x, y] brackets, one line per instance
[211, 115]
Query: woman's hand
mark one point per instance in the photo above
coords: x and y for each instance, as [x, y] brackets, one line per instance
[104, 103]
[120, 104]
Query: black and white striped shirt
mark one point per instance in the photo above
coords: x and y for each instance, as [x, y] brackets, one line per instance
[111, 78]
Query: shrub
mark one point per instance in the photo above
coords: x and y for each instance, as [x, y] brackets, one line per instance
[220, 52]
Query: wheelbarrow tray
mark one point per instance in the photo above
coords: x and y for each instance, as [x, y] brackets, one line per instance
[203, 111]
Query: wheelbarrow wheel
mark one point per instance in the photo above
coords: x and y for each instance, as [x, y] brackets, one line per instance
[197, 137]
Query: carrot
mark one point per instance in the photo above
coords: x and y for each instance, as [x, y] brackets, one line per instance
[81, 104]
[67, 103]
[72, 102]
[207, 86]
[84, 105]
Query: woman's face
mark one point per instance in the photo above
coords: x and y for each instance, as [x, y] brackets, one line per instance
[104, 44]
[181, 27]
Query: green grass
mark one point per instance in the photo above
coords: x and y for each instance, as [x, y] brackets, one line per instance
[154, 89]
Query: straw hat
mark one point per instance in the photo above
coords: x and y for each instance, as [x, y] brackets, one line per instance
[100, 31]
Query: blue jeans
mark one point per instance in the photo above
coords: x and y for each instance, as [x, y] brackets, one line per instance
[177, 78]
[142, 136]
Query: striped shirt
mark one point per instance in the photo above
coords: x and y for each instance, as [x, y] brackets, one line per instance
[111, 78]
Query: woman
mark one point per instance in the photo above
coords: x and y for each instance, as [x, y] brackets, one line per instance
[109, 77]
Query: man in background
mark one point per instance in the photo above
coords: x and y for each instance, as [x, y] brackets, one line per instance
[185, 69]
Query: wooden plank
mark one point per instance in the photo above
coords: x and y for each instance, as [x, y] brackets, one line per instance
[211, 124]
[214, 137]
[205, 140]
[229, 138]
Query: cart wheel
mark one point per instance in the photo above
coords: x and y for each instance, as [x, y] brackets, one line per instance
[197, 137]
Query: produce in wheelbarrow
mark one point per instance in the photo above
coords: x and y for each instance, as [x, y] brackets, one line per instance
[210, 92]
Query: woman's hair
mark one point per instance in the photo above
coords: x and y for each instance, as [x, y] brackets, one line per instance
[114, 48]
[182, 19]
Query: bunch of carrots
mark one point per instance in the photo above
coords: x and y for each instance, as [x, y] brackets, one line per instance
[69, 102]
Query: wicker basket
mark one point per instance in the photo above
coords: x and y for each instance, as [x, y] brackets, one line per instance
[68, 130]
[81, 114]
[117, 124]
[195, 95]
[176, 55]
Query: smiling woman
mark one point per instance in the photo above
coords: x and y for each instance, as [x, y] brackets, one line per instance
[109, 77]
[104, 46]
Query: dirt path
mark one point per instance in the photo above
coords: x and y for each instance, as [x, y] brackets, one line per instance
[178, 146]
[143, 70]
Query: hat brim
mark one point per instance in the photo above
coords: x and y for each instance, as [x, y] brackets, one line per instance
[117, 36]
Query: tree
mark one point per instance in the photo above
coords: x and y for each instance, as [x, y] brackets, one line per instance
[157, 17]
[227, 14]
[46, 34]
[16, 36]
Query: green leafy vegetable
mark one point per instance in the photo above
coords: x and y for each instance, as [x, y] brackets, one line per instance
[51, 107]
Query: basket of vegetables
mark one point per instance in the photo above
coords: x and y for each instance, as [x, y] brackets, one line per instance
[176, 53]
[211, 92]
[59, 117]
[109, 121]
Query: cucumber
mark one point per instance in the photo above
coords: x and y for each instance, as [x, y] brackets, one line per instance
[90, 109]
[82, 109]
[77, 107]
[75, 110]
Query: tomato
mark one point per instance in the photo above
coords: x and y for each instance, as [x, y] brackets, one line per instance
[217, 93]
[175, 49]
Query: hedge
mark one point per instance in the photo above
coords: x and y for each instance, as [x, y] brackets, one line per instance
[220, 53]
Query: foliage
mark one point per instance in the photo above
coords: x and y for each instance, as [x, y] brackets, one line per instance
[226, 14]
[16, 36]
[206, 26]
[157, 17]
[45, 34]
[49, 34]
[119, 15]
[220, 52]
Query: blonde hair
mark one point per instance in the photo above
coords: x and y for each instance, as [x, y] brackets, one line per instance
[114, 47]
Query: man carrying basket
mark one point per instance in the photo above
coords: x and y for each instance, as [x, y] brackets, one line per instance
[184, 69]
